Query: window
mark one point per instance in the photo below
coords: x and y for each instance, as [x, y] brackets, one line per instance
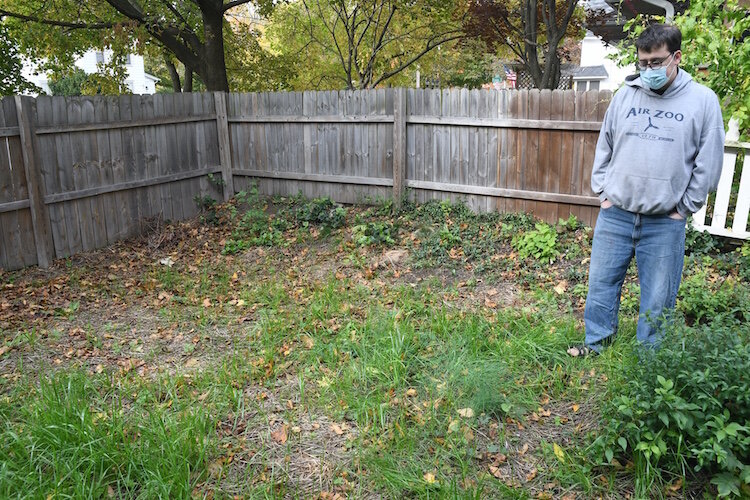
[127, 59]
[99, 57]
[594, 85]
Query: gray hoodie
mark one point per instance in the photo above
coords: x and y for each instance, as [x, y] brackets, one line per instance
[660, 153]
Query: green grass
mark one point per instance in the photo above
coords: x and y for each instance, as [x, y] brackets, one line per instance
[416, 387]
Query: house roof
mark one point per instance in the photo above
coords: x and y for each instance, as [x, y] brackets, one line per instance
[591, 73]
[151, 77]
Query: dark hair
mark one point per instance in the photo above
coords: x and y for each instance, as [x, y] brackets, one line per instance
[657, 35]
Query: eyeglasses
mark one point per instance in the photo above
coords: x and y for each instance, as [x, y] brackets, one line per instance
[644, 64]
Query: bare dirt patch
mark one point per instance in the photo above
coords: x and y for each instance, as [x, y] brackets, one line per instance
[277, 440]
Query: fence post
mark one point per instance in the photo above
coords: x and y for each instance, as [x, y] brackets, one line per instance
[399, 145]
[225, 152]
[45, 247]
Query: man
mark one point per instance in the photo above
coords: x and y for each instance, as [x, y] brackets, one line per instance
[659, 154]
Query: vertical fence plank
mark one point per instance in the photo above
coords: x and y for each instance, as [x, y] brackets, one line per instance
[399, 145]
[45, 252]
[222, 127]
[742, 208]
[10, 234]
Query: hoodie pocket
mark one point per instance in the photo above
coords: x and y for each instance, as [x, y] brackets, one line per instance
[640, 194]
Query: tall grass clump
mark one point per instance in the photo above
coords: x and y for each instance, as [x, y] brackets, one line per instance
[73, 438]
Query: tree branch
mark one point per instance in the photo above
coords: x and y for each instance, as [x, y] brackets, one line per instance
[430, 46]
[232, 4]
[62, 24]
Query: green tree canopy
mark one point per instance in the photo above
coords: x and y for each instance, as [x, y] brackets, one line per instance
[361, 44]
[191, 32]
[11, 80]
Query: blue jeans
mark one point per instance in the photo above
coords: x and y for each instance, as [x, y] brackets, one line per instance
[658, 243]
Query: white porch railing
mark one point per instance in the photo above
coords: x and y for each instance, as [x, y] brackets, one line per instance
[720, 209]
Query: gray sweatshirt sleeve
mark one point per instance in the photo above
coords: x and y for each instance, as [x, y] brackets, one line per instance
[708, 162]
[603, 154]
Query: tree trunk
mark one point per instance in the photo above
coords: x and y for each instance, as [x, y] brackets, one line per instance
[188, 79]
[213, 69]
[173, 75]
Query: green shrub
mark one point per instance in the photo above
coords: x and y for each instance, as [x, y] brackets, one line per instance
[540, 243]
[374, 233]
[322, 212]
[686, 405]
[207, 208]
[704, 296]
[255, 228]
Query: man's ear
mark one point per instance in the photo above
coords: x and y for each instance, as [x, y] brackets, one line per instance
[678, 57]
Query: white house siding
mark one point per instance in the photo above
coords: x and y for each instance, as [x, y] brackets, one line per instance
[594, 52]
[137, 80]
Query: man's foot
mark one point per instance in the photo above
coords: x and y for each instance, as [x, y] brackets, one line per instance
[581, 351]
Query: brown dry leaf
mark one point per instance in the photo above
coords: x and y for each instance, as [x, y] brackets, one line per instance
[561, 287]
[545, 400]
[496, 472]
[411, 393]
[281, 435]
[523, 449]
[489, 303]
[337, 429]
[308, 342]
[206, 302]
[544, 495]
[4, 349]
[531, 475]
[466, 412]
[575, 408]
[99, 368]
[673, 488]
[569, 496]
[191, 363]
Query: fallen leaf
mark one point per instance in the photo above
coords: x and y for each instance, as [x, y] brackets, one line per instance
[489, 303]
[429, 478]
[337, 429]
[206, 302]
[575, 408]
[531, 475]
[466, 412]
[191, 363]
[4, 349]
[496, 472]
[280, 435]
[561, 287]
[411, 393]
[308, 342]
[559, 453]
[524, 449]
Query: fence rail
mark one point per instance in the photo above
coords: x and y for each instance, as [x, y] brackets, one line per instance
[81, 173]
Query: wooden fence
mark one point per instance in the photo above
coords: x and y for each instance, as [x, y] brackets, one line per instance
[81, 173]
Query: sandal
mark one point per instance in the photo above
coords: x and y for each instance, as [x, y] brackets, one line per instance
[581, 351]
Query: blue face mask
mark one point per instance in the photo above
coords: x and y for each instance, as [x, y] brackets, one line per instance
[655, 78]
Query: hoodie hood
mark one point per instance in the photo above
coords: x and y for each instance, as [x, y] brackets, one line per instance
[676, 88]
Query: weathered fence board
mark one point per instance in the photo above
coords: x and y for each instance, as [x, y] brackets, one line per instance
[81, 173]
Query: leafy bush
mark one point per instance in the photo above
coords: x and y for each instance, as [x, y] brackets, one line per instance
[540, 243]
[207, 208]
[695, 413]
[700, 242]
[374, 233]
[704, 296]
[323, 212]
[255, 228]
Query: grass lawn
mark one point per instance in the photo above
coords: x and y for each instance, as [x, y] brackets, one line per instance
[294, 349]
